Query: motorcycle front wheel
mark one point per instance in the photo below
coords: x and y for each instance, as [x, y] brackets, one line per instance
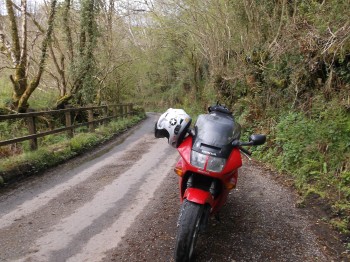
[188, 229]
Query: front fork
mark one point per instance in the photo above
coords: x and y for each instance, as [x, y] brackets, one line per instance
[202, 197]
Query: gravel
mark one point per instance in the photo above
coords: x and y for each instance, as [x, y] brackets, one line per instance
[260, 222]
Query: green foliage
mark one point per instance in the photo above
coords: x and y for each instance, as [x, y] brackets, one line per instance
[43, 99]
[324, 14]
[52, 139]
[312, 149]
[83, 70]
[11, 127]
[296, 137]
[36, 160]
[340, 224]
[82, 141]
[116, 127]
[345, 178]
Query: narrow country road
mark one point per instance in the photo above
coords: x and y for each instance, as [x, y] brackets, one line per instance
[121, 203]
[77, 213]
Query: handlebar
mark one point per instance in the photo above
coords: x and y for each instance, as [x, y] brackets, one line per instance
[245, 151]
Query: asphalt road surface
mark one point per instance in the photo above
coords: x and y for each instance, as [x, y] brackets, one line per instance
[120, 203]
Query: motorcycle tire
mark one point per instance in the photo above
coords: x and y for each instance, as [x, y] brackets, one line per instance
[188, 229]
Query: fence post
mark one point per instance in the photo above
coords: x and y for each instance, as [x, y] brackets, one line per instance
[125, 110]
[105, 115]
[114, 111]
[121, 110]
[131, 108]
[90, 119]
[32, 131]
[69, 123]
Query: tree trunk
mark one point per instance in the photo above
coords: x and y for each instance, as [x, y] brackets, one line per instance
[84, 68]
[23, 101]
[19, 79]
[67, 29]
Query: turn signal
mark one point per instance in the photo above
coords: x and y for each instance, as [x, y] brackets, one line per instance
[230, 186]
[178, 171]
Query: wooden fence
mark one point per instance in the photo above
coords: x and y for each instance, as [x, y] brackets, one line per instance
[109, 112]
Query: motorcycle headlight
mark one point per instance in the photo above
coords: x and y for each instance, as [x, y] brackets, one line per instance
[216, 164]
[198, 159]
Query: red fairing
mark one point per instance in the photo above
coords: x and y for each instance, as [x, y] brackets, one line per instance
[185, 149]
[199, 196]
[228, 174]
[234, 161]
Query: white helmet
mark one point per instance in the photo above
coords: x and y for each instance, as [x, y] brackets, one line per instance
[173, 124]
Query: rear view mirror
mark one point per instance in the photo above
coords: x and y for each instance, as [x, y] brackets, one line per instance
[257, 140]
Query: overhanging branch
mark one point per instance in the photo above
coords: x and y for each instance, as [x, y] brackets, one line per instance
[41, 29]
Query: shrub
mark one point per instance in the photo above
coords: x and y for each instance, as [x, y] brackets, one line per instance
[83, 141]
[311, 148]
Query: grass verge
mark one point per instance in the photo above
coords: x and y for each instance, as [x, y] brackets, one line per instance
[33, 162]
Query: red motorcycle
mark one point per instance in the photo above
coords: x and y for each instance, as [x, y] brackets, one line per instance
[208, 167]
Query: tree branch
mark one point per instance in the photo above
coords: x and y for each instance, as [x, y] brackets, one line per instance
[23, 56]
[42, 30]
[15, 48]
[280, 25]
[6, 45]
[6, 67]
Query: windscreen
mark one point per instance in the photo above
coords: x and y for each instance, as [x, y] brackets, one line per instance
[216, 129]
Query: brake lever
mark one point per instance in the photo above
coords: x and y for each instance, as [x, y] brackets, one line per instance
[245, 151]
[247, 156]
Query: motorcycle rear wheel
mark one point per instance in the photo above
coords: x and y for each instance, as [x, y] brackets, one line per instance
[188, 229]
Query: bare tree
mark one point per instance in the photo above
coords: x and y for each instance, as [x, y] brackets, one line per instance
[17, 49]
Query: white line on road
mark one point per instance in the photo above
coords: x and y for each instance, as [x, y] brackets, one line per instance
[110, 237]
[62, 234]
[42, 199]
